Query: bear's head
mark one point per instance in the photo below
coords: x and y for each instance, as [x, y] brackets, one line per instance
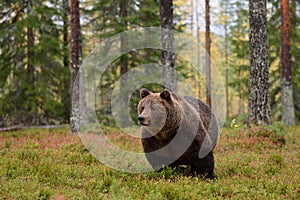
[158, 111]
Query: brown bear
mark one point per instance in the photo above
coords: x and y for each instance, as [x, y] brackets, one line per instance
[177, 130]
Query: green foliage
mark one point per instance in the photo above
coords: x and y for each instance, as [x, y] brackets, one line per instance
[239, 49]
[41, 95]
[33, 78]
[274, 56]
[44, 193]
[47, 164]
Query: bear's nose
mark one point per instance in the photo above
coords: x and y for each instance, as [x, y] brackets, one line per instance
[141, 118]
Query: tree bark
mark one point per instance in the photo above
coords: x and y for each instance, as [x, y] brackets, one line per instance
[66, 57]
[30, 56]
[75, 63]
[30, 44]
[288, 110]
[123, 103]
[226, 61]
[258, 97]
[167, 57]
[198, 49]
[30, 97]
[207, 47]
[123, 15]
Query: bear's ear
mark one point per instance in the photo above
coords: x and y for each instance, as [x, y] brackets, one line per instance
[144, 92]
[166, 95]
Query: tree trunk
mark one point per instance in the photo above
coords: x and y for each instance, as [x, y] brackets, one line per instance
[123, 102]
[198, 49]
[66, 58]
[75, 62]
[207, 47]
[288, 111]
[30, 56]
[30, 44]
[167, 57]
[258, 99]
[123, 15]
[226, 66]
[30, 98]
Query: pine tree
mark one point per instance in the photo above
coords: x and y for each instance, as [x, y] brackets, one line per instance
[75, 64]
[274, 53]
[258, 99]
[207, 48]
[32, 71]
[295, 52]
[167, 45]
[225, 13]
[240, 55]
[66, 58]
[288, 113]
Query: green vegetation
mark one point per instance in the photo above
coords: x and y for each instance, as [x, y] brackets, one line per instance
[262, 163]
[35, 58]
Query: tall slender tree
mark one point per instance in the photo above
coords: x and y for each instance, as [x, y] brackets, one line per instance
[197, 13]
[258, 99]
[288, 111]
[30, 46]
[75, 63]
[123, 103]
[295, 52]
[225, 12]
[32, 102]
[167, 44]
[66, 57]
[207, 47]
[240, 54]
[123, 15]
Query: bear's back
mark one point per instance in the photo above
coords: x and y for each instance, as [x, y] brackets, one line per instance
[206, 115]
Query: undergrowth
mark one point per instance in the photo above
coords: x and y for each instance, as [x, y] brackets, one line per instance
[260, 163]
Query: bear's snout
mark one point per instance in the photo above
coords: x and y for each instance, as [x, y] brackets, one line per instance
[142, 120]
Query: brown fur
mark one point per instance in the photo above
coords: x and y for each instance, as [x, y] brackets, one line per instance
[188, 116]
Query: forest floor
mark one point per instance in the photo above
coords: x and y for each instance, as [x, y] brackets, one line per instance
[261, 163]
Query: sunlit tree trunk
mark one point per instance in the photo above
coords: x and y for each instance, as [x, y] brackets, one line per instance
[226, 25]
[167, 57]
[288, 111]
[75, 63]
[258, 99]
[207, 47]
[198, 49]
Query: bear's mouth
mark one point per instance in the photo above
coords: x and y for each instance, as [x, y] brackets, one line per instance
[144, 123]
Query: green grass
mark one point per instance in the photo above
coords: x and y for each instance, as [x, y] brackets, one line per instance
[262, 163]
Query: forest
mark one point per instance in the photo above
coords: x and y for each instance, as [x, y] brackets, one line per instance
[58, 141]
[35, 43]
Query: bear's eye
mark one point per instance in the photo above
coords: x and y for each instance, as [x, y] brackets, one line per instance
[142, 108]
